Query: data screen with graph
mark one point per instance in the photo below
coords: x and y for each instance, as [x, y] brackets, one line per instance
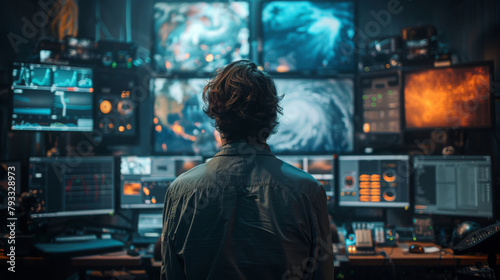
[49, 97]
[71, 186]
[374, 181]
[145, 180]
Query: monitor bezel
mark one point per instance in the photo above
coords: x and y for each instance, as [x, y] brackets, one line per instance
[491, 97]
[194, 73]
[13, 66]
[308, 72]
[390, 205]
[456, 157]
[76, 213]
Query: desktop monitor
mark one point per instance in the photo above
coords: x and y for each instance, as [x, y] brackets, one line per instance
[318, 116]
[451, 97]
[71, 186]
[50, 97]
[453, 185]
[200, 36]
[308, 35]
[374, 181]
[321, 167]
[144, 180]
[180, 125]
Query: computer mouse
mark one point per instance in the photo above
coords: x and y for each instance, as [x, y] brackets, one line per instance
[416, 249]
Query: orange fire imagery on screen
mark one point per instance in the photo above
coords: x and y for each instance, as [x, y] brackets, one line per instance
[448, 98]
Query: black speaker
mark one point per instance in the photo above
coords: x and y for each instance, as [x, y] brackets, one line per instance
[116, 107]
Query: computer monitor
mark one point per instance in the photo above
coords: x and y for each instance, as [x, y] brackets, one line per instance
[180, 125]
[452, 97]
[318, 116]
[200, 36]
[308, 36]
[374, 181]
[453, 185]
[321, 167]
[71, 186]
[145, 180]
[50, 97]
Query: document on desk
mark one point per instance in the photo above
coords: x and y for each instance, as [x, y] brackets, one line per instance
[431, 249]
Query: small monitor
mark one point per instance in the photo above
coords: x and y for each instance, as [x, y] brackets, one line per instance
[321, 167]
[149, 224]
[200, 36]
[179, 123]
[308, 36]
[318, 116]
[144, 180]
[453, 185]
[71, 186]
[452, 97]
[50, 97]
[374, 181]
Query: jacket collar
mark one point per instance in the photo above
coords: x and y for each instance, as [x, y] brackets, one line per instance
[243, 148]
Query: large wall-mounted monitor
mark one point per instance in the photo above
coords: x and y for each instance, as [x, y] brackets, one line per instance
[145, 180]
[51, 97]
[318, 116]
[308, 36]
[200, 36]
[452, 97]
[71, 186]
[374, 181]
[179, 123]
[321, 167]
[453, 185]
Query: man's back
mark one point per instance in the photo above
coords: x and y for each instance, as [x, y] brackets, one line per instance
[246, 215]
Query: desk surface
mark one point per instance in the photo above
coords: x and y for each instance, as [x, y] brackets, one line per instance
[400, 256]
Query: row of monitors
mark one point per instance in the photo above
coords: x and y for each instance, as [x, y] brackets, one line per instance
[452, 185]
[318, 114]
[296, 36]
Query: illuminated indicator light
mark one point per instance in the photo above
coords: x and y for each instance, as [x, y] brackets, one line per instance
[406, 207]
[374, 98]
[282, 68]
[202, 131]
[364, 177]
[209, 57]
[414, 239]
[430, 227]
[365, 97]
[387, 66]
[129, 126]
[177, 128]
[129, 65]
[186, 55]
[101, 125]
[197, 124]
[155, 120]
[129, 59]
[164, 147]
[364, 192]
[114, 64]
[192, 138]
[121, 128]
[347, 193]
[110, 126]
[146, 191]
[91, 90]
[353, 193]
[391, 238]
[367, 69]
[366, 127]
[105, 107]
[153, 200]
[364, 198]
[375, 192]
[260, 68]
[158, 128]
[168, 65]
[342, 193]
[389, 92]
[374, 104]
[379, 96]
[375, 177]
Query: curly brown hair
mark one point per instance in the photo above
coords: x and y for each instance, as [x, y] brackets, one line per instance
[243, 101]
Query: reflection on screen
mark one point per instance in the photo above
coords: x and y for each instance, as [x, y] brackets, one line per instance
[52, 98]
[449, 98]
[306, 35]
[317, 116]
[180, 125]
[200, 36]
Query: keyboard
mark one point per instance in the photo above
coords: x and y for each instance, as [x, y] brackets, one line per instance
[75, 238]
